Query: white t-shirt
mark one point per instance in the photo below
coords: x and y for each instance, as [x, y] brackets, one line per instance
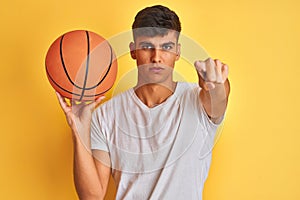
[162, 152]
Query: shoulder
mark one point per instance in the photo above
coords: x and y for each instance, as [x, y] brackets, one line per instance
[116, 101]
[186, 88]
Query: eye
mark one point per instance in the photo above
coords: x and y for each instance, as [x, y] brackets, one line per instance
[167, 47]
[147, 47]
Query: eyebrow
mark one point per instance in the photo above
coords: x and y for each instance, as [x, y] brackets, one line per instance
[149, 43]
[145, 43]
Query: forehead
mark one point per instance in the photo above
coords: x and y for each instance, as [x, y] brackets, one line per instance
[171, 36]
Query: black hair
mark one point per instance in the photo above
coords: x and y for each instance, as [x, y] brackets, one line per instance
[155, 20]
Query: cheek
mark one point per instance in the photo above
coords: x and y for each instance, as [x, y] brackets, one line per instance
[141, 60]
[171, 59]
[142, 57]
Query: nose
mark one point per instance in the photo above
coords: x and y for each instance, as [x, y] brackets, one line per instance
[156, 55]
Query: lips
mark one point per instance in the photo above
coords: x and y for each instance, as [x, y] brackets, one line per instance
[156, 69]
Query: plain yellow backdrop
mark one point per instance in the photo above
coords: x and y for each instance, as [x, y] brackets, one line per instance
[257, 155]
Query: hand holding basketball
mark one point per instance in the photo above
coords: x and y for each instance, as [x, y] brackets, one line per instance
[79, 116]
[211, 73]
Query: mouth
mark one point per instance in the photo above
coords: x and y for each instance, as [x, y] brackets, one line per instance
[156, 69]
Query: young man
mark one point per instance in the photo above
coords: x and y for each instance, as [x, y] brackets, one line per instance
[156, 138]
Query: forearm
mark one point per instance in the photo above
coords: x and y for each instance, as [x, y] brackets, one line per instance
[215, 101]
[87, 183]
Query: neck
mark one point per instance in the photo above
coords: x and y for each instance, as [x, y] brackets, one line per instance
[154, 94]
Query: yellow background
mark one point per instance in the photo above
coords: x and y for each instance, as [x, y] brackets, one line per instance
[257, 156]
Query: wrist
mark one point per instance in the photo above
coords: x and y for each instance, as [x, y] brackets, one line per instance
[81, 140]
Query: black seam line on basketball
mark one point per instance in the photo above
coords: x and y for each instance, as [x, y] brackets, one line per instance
[109, 67]
[107, 71]
[88, 95]
[63, 62]
[64, 66]
[87, 64]
[60, 87]
[67, 74]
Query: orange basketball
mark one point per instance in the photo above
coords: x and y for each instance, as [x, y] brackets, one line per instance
[81, 65]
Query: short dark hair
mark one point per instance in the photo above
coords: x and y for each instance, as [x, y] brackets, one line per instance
[155, 20]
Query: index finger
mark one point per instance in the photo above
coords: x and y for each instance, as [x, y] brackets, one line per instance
[62, 102]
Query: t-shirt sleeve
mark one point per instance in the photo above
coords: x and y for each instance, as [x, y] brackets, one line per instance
[211, 129]
[208, 122]
[204, 118]
[98, 139]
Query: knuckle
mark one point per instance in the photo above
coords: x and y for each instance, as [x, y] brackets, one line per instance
[218, 62]
[211, 76]
[209, 59]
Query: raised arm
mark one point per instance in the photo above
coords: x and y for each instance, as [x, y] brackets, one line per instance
[213, 79]
[90, 175]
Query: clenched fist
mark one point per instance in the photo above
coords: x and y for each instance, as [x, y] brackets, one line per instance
[211, 73]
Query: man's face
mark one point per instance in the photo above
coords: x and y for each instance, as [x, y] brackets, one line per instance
[156, 57]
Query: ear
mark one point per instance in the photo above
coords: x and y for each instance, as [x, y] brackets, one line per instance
[178, 51]
[132, 50]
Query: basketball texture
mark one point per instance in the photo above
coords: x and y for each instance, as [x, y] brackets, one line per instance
[81, 65]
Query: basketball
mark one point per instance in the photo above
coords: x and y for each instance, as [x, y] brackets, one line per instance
[81, 65]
